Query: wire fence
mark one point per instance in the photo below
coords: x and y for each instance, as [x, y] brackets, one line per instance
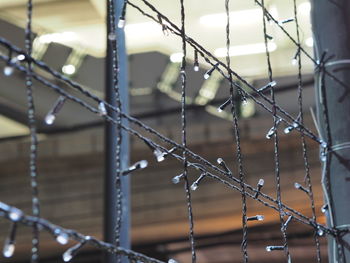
[166, 148]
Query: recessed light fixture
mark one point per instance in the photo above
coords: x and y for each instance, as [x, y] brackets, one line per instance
[245, 49]
[309, 42]
[63, 37]
[248, 16]
[68, 69]
[304, 8]
[176, 57]
[147, 28]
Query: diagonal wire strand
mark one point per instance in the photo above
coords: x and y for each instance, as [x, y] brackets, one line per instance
[193, 155]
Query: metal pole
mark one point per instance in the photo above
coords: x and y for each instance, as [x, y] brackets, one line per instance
[110, 202]
[331, 23]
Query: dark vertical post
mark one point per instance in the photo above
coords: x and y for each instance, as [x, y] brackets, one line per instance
[110, 202]
[331, 23]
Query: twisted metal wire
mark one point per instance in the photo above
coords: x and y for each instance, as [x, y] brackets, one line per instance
[184, 133]
[276, 144]
[236, 132]
[307, 178]
[45, 225]
[33, 135]
[298, 215]
[269, 16]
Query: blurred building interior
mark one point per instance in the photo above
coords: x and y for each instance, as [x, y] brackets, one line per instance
[70, 37]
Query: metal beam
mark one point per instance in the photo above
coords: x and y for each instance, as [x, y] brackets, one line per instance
[331, 24]
[110, 146]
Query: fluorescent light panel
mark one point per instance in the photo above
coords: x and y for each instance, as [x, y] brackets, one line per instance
[245, 49]
[248, 16]
[63, 37]
[147, 28]
[309, 42]
[176, 57]
[304, 8]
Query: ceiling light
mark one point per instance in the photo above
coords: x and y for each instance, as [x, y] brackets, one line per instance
[147, 28]
[304, 8]
[68, 69]
[274, 13]
[248, 16]
[245, 49]
[309, 42]
[58, 37]
[176, 57]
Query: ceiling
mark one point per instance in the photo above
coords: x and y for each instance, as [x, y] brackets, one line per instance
[85, 31]
[142, 35]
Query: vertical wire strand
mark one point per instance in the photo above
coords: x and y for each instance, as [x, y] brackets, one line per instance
[115, 71]
[303, 141]
[33, 134]
[238, 139]
[276, 140]
[184, 135]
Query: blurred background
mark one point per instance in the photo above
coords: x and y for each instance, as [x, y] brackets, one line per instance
[71, 38]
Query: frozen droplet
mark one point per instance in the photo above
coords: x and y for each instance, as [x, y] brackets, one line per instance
[50, 118]
[143, 164]
[297, 185]
[21, 57]
[196, 68]
[261, 182]
[270, 133]
[294, 61]
[320, 232]
[288, 129]
[15, 215]
[194, 186]
[102, 109]
[323, 157]
[67, 256]
[206, 76]
[160, 155]
[121, 23]
[324, 144]
[324, 208]
[112, 36]
[295, 125]
[268, 248]
[9, 249]
[177, 179]
[260, 217]
[62, 238]
[172, 261]
[8, 70]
